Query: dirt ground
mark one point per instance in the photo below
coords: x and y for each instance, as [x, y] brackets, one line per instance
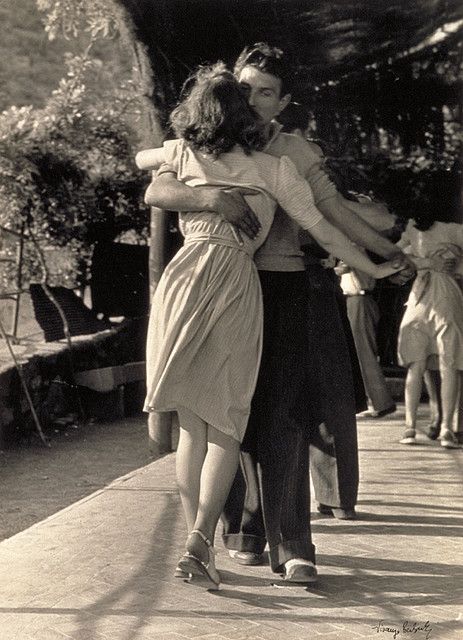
[36, 481]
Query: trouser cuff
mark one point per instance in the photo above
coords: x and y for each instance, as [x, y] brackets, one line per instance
[244, 542]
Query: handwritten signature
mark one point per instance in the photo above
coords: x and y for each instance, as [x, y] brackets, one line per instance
[404, 628]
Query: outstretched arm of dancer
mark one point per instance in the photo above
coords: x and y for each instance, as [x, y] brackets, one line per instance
[375, 214]
[342, 213]
[295, 196]
[337, 244]
[359, 231]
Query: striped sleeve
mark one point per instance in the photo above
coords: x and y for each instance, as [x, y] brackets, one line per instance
[295, 195]
[310, 161]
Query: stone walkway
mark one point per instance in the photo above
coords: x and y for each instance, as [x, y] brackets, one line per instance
[102, 568]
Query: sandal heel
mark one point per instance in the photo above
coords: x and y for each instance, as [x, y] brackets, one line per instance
[201, 572]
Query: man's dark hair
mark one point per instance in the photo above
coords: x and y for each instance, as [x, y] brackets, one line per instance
[268, 60]
[214, 114]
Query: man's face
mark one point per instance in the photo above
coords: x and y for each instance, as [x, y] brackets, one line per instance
[263, 93]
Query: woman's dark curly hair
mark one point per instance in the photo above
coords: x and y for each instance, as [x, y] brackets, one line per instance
[214, 114]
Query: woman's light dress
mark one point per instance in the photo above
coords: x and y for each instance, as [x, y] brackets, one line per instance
[433, 321]
[205, 330]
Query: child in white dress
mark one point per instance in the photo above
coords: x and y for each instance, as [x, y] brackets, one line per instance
[432, 326]
[205, 330]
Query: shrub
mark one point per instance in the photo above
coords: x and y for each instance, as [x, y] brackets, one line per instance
[67, 175]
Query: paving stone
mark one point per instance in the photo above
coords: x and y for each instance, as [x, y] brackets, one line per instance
[102, 568]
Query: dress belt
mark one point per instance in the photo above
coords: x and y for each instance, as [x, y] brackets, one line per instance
[212, 238]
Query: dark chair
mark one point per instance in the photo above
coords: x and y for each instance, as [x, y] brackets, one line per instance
[81, 319]
[120, 280]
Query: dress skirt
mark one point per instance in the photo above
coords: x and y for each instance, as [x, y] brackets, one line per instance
[433, 321]
[205, 335]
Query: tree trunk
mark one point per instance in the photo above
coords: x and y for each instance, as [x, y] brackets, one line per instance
[152, 134]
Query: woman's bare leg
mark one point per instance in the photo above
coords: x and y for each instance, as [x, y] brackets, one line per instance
[190, 456]
[207, 461]
[219, 470]
[449, 396]
[434, 401]
[413, 387]
[217, 476]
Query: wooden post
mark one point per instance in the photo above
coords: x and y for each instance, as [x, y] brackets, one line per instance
[154, 104]
[159, 424]
[458, 420]
[159, 433]
[19, 284]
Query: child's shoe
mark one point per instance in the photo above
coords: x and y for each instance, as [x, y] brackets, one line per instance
[433, 431]
[449, 441]
[409, 437]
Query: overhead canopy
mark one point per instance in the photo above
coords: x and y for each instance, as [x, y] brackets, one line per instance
[328, 37]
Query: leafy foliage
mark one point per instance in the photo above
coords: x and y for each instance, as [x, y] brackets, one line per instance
[33, 65]
[66, 172]
[395, 131]
[98, 17]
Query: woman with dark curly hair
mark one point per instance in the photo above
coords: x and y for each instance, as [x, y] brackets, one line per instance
[205, 332]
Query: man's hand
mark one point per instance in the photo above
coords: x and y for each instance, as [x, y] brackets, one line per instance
[168, 193]
[329, 262]
[341, 268]
[232, 206]
[444, 263]
[401, 261]
[402, 277]
[406, 266]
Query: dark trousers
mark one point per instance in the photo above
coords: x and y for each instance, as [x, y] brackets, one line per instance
[333, 444]
[304, 394]
[270, 498]
[270, 501]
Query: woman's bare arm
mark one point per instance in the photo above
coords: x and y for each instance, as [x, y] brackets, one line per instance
[150, 158]
[336, 243]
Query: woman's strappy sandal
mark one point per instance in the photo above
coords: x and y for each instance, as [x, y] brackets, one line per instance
[201, 572]
[179, 573]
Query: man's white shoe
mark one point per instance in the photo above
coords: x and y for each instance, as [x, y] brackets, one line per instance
[300, 570]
